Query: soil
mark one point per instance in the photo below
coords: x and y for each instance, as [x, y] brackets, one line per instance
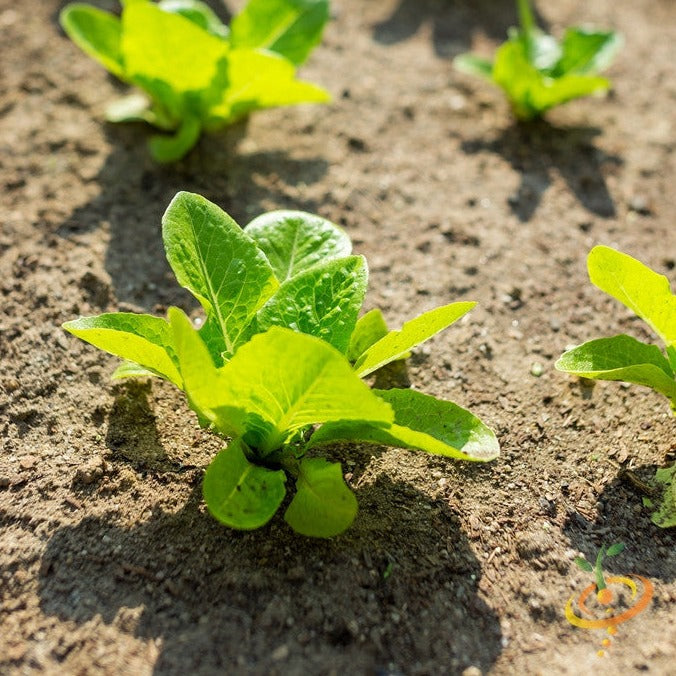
[109, 562]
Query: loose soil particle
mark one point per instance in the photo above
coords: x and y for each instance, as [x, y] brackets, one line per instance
[109, 563]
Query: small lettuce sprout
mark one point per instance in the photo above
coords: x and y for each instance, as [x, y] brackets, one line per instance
[197, 74]
[603, 594]
[277, 364]
[537, 72]
[622, 357]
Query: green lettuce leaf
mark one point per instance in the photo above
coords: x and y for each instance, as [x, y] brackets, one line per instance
[665, 515]
[97, 33]
[239, 493]
[287, 381]
[276, 384]
[295, 241]
[256, 80]
[396, 344]
[635, 285]
[143, 339]
[621, 358]
[587, 51]
[170, 57]
[199, 13]
[291, 28]
[195, 74]
[221, 266]
[369, 329]
[536, 72]
[532, 92]
[323, 301]
[323, 505]
[420, 422]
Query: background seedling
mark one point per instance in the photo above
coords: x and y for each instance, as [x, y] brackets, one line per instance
[537, 72]
[278, 363]
[196, 73]
[622, 357]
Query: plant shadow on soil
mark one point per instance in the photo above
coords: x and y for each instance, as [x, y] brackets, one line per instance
[135, 191]
[537, 149]
[401, 586]
[649, 550]
[453, 22]
[113, 6]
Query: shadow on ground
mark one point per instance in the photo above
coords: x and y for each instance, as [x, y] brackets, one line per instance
[454, 22]
[135, 191]
[649, 550]
[242, 599]
[537, 150]
[238, 596]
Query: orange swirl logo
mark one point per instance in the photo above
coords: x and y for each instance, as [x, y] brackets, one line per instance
[597, 611]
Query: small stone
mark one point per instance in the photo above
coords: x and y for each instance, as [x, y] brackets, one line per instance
[536, 369]
[296, 574]
[281, 653]
[28, 462]
[472, 671]
[639, 204]
[90, 473]
[10, 384]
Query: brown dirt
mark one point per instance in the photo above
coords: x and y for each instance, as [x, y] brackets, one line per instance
[109, 563]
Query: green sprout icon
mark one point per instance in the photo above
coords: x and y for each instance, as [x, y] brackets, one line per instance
[603, 594]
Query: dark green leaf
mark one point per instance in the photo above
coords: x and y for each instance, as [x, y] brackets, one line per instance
[584, 564]
[615, 549]
[291, 28]
[587, 51]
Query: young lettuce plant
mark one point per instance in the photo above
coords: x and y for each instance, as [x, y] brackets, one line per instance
[277, 365]
[537, 73]
[624, 358]
[196, 73]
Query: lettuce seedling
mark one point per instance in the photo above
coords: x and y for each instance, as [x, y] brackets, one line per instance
[196, 73]
[277, 364]
[622, 357]
[664, 515]
[537, 72]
